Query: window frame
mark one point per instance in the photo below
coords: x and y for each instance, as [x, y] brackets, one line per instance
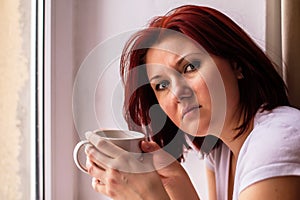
[37, 34]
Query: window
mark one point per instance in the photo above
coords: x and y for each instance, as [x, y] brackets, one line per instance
[18, 103]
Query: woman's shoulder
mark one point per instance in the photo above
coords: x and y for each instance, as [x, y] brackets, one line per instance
[274, 130]
[282, 115]
[272, 148]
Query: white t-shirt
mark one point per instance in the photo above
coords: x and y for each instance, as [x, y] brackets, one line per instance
[272, 149]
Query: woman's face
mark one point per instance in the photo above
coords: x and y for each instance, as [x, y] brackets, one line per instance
[198, 91]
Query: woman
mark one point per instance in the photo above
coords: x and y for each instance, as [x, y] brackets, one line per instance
[245, 125]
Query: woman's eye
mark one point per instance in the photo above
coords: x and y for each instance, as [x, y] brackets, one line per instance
[192, 66]
[162, 85]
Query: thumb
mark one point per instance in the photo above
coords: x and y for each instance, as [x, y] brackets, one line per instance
[149, 146]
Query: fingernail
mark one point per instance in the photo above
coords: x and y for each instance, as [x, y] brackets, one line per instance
[147, 145]
[88, 134]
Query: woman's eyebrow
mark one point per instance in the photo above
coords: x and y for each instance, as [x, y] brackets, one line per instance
[154, 77]
[185, 58]
[180, 60]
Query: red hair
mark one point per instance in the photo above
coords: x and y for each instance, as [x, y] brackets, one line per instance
[219, 36]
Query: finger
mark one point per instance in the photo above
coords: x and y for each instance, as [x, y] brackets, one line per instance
[149, 146]
[96, 171]
[124, 162]
[90, 163]
[86, 147]
[109, 188]
[98, 186]
[96, 157]
[104, 146]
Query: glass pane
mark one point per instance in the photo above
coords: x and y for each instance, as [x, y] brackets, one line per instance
[16, 100]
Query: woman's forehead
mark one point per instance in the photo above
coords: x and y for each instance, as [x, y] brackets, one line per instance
[177, 44]
[156, 57]
[173, 48]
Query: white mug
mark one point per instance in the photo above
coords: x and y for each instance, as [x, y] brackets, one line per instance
[127, 140]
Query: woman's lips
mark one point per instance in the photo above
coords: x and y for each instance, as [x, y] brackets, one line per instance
[189, 109]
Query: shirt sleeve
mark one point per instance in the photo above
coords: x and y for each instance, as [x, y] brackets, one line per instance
[271, 151]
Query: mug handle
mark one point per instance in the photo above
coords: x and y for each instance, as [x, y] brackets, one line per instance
[78, 146]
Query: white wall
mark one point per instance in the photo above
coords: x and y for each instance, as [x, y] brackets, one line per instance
[80, 27]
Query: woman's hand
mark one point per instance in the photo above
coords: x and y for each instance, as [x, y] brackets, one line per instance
[174, 177]
[120, 174]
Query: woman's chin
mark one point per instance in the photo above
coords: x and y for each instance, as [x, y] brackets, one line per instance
[195, 131]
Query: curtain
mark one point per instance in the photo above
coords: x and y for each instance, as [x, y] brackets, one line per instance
[283, 42]
[291, 47]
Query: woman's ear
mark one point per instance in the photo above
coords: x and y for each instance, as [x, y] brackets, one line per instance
[238, 71]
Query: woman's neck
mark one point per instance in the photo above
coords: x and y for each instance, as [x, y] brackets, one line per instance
[236, 144]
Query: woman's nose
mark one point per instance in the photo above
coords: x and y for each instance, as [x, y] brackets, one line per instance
[181, 89]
